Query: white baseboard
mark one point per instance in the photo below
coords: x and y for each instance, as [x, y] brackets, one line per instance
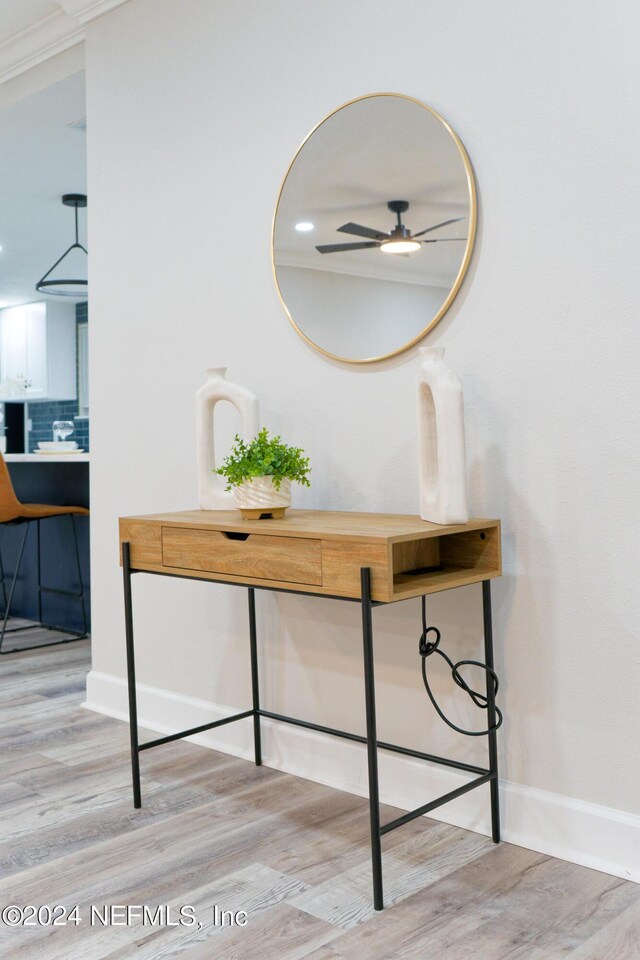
[594, 836]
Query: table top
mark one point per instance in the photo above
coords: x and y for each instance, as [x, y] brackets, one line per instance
[318, 524]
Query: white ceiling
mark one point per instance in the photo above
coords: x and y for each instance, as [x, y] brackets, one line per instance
[18, 15]
[40, 159]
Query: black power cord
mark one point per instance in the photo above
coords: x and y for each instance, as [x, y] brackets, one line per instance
[426, 648]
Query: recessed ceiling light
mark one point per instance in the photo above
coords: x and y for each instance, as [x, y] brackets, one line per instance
[0, 248]
[304, 226]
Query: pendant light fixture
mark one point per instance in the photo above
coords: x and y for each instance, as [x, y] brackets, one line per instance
[65, 287]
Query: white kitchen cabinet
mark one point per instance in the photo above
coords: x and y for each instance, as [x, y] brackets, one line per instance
[38, 347]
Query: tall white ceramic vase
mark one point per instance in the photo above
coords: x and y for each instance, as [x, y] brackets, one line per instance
[442, 459]
[211, 487]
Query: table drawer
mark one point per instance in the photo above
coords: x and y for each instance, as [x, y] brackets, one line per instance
[255, 555]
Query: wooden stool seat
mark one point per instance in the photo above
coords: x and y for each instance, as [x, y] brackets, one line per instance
[39, 511]
[13, 511]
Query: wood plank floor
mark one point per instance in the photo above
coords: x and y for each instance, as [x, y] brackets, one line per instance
[216, 831]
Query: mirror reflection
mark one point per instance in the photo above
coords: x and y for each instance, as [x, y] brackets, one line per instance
[374, 227]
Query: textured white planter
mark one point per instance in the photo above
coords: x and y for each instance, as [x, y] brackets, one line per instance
[442, 460]
[259, 495]
[211, 487]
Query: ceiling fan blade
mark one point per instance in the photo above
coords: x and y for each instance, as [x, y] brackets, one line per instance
[444, 240]
[359, 231]
[437, 227]
[338, 247]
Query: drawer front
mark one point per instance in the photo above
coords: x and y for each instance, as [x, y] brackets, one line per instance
[261, 557]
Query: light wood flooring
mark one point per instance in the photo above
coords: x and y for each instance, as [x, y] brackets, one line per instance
[294, 855]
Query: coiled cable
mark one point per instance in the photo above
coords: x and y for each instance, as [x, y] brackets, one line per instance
[428, 647]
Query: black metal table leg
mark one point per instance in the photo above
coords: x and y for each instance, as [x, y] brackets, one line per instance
[255, 686]
[372, 748]
[483, 776]
[491, 713]
[131, 676]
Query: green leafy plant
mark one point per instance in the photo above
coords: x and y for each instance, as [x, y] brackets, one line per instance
[265, 456]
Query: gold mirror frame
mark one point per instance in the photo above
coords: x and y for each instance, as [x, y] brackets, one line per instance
[473, 214]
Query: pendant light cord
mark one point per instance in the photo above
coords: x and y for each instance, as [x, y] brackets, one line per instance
[428, 647]
[77, 243]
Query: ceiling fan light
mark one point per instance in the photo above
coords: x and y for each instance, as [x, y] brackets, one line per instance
[399, 246]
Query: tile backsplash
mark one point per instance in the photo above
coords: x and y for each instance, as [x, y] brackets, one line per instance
[43, 414]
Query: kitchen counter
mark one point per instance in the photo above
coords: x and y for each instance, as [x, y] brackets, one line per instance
[46, 457]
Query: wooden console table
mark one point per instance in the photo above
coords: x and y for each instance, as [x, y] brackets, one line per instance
[365, 557]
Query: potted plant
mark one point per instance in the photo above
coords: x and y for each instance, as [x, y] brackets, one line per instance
[260, 475]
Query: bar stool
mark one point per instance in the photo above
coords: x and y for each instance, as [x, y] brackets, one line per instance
[13, 513]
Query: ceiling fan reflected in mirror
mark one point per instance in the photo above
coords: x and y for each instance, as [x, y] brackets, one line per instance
[399, 241]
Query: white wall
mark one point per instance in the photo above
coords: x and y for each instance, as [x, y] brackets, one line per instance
[195, 110]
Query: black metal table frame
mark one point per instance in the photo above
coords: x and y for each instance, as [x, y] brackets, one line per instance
[378, 830]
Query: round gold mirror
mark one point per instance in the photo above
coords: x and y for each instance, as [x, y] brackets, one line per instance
[374, 227]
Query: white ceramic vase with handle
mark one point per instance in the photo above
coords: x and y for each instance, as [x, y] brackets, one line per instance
[211, 487]
[441, 448]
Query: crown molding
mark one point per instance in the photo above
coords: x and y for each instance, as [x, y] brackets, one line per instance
[51, 35]
[37, 43]
[86, 10]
